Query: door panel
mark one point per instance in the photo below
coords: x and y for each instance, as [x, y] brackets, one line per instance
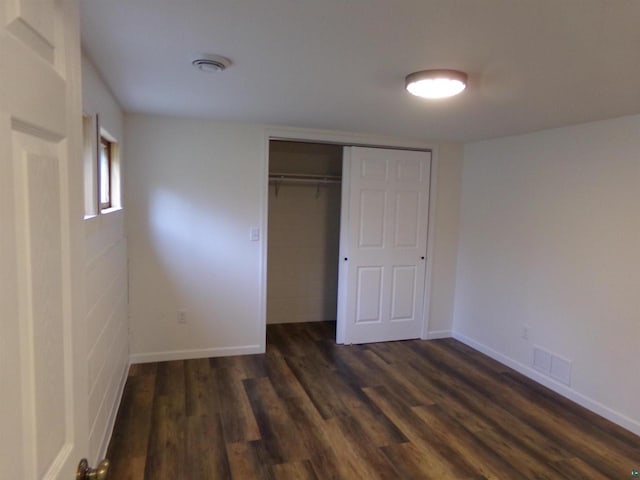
[374, 169]
[42, 296]
[368, 294]
[410, 171]
[372, 218]
[41, 111]
[36, 14]
[41, 207]
[384, 244]
[403, 293]
[32, 22]
[406, 215]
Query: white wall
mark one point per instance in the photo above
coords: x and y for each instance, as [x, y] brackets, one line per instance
[193, 191]
[549, 238]
[445, 250]
[105, 286]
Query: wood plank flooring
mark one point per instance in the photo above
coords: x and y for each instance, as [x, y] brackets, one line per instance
[309, 409]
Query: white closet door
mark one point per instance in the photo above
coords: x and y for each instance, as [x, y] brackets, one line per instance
[384, 244]
[43, 413]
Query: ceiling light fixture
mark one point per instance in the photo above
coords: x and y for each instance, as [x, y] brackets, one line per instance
[436, 83]
[210, 63]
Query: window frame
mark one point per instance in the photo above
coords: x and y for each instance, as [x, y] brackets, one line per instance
[106, 145]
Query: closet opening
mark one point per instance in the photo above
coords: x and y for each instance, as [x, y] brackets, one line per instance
[303, 226]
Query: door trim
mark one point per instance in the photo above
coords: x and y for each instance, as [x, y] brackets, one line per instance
[351, 140]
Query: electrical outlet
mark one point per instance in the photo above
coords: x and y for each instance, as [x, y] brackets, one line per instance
[525, 332]
[182, 316]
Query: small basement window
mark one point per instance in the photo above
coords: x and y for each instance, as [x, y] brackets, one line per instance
[105, 166]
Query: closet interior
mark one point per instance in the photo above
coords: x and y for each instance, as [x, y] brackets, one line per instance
[303, 231]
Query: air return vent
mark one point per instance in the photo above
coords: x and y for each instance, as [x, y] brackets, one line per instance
[552, 365]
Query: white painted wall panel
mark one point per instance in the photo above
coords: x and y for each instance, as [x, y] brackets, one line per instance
[102, 307]
[445, 250]
[107, 329]
[109, 233]
[549, 238]
[106, 286]
[196, 190]
[103, 421]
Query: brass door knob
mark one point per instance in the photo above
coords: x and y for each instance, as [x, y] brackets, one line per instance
[87, 473]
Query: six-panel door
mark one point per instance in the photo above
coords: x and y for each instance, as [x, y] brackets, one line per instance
[385, 244]
[43, 403]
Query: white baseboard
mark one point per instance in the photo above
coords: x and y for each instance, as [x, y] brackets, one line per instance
[435, 334]
[571, 394]
[196, 353]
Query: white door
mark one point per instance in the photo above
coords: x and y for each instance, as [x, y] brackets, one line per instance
[43, 414]
[383, 245]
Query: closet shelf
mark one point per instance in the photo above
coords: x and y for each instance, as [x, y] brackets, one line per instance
[278, 179]
[303, 178]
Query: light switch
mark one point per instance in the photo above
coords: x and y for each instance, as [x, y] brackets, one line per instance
[254, 235]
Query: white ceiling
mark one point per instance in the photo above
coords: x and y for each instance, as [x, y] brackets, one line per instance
[340, 64]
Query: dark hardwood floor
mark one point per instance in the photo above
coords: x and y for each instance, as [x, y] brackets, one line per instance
[309, 409]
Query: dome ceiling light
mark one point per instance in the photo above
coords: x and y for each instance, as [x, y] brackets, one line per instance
[210, 63]
[436, 83]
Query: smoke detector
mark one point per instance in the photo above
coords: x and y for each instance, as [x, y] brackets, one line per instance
[210, 63]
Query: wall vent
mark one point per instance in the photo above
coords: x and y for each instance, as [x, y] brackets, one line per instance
[552, 365]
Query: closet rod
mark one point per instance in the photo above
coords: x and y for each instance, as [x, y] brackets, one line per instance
[303, 181]
[303, 178]
[278, 179]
